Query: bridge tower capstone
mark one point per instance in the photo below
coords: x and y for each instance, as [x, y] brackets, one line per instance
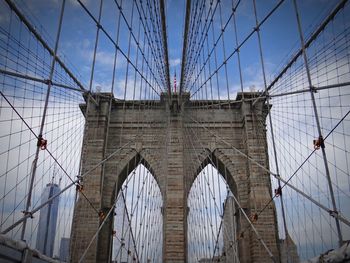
[179, 138]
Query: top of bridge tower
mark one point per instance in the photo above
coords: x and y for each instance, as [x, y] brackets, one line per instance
[175, 100]
[185, 96]
[249, 95]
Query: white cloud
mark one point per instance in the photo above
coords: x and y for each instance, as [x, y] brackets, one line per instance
[103, 57]
[174, 62]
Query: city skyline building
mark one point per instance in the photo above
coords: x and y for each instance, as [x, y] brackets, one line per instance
[64, 249]
[48, 220]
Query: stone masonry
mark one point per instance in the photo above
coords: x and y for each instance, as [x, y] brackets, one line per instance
[175, 139]
[229, 231]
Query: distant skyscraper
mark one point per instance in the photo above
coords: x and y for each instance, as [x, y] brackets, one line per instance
[47, 222]
[64, 249]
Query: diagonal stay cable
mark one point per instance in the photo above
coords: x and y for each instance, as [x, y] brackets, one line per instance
[36, 79]
[73, 182]
[331, 212]
[31, 213]
[150, 40]
[102, 224]
[117, 46]
[254, 229]
[236, 50]
[190, 138]
[165, 43]
[250, 223]
[204, 37]
[96, 233]
[205, 33]
[286, 182]
[234, 148]
[308, 42]
[43, 43]
[49, 152]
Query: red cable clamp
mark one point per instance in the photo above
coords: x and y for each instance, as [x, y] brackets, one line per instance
[101, 215]
[41, 143]
[319, 143]
[254, 218]
[79, 187]
[278, 191]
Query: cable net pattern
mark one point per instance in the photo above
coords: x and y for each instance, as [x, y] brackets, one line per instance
[42, 122]
[231, 47]
[227, 49]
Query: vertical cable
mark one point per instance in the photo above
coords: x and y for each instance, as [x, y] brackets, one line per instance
[271, 128]
[311, 88]
[35, 161]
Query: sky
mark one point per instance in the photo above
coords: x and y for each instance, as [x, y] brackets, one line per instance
[280, 40]
[78, 35]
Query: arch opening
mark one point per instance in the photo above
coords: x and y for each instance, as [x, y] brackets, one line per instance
[138, 221]
[212, 221]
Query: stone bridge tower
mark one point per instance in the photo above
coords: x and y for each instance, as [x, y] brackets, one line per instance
[217, 128]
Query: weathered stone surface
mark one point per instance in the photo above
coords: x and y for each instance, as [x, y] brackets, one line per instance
[175, 141]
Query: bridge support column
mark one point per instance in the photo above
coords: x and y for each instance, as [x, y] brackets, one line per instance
[86, 220]
[175, 205]
[259, 190]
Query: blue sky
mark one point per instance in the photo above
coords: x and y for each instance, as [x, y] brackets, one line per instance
[279, 36]
[279, 41]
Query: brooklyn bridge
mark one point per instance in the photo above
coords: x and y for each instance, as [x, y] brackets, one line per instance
[174, 131]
